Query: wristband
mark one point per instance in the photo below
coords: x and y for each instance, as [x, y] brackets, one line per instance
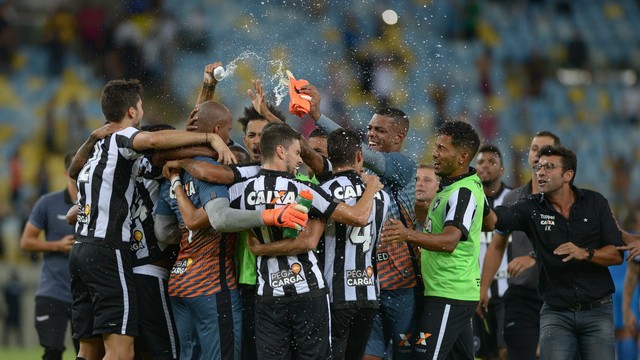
[208, 86]
[175, 182]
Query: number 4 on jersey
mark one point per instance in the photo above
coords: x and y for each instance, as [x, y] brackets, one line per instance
[361, 235]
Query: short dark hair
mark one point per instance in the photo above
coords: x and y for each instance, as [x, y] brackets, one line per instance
[569, 159]
[318, 132]
[493, 149]
[275, 134]
[252, 114]
[241, 153]
[342, 146]
[545, 133]
[462, 134]
[399, 117]
[118, 96]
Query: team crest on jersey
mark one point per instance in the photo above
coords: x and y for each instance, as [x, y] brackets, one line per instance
[180, 267]
[358, 277]
[83, 214]
[262, 197]
[286, 277]
[137, 244]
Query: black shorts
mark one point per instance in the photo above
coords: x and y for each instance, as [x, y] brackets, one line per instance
[248, 293]
[302, 324]
[158, 336]
[104, 296]
[52, 317]
[444, 329]
[488, 332]
[350, 330]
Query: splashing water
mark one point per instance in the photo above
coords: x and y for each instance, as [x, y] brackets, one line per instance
[280, 90]
[232, 65]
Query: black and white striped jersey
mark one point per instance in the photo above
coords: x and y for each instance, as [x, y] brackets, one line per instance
[244, 171]
[500, 283]
[144, 244]
[106, 185]
[347, 252]
[283, 278]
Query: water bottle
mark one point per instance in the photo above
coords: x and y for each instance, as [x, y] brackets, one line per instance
[305, 198]
[219, 73]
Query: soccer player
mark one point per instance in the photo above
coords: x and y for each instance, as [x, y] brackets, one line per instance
[347, 251]
[450, 243]
[488, 326]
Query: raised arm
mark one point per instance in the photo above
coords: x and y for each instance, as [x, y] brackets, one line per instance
[358, 215]
[307, 240]
[209, 83]
[171, 139]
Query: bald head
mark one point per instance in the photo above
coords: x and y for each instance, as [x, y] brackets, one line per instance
[214, 117]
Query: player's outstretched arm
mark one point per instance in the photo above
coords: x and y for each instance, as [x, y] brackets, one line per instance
[394, 231]
[202, 170]
[227, 219]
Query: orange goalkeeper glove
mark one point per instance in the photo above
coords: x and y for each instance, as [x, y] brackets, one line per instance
[291, 216]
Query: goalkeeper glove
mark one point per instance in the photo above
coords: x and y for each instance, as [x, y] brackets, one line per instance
[291, 216]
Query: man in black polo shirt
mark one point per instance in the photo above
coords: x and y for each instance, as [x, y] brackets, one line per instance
[574, 235]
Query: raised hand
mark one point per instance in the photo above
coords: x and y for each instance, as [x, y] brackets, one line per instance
[314, 95]
[208, 73]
